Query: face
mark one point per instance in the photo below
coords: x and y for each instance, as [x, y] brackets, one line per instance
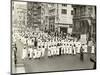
[24, 47]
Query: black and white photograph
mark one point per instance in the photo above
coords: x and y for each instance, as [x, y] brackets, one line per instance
[52, 37]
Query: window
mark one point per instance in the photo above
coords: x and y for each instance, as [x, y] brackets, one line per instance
[64, 5]
[72, 13]
[90, 10]
[64, 11]
[52, 10]
[83, 11]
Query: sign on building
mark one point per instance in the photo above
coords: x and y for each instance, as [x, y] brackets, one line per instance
[69, 30]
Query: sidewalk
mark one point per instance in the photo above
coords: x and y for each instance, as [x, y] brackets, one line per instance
[20, 68]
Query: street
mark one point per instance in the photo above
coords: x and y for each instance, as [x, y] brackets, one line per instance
[56, 63]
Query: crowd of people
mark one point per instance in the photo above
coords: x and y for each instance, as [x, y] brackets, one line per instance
[41, 44]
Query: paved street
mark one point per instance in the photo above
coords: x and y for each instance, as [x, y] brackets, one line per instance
[56, 63]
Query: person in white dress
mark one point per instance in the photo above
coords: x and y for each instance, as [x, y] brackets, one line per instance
[30, 52]
[70, 48]
[24, 53]
[74, 49]
[85, 48]
[42, 51]
[49, 51]
[66, 47]
[78, 45]
[35, 53]
[52, 50]
[56, 49]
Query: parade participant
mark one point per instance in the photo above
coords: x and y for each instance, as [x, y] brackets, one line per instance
[35, 42]
[32, 42]
[64, 47]
[59, 47]
[45, 44]
[67, 48]
[29, 42]
[34, 53]
[84, 47]
[90, 44]
[55, 50]
[54, 47]
[38, 54]
[70, 48]
[74, 49]
[30, 50]
[81, 54]
[24, 53]
[93, 48]
[49, 51]
[42, 51]
[78, 45]
[15, 54]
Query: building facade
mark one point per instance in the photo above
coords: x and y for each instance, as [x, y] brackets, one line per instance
[84, 20]
[33, 15]
[60, 17]
[44, 17]
[19, 15]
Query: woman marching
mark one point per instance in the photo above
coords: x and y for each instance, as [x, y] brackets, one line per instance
[24, 53]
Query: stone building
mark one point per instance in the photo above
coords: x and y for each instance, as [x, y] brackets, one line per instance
[84, 20]
[19, 15]
[60, 17]
[44, 17]
[33, 15]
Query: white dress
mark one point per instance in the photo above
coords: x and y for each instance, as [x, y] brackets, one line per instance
[49, 51]
[85, 48]
[74, 48]
[64, 47]
[78, 45]
[57, 50]
[52, 51]
[24, 53]
[70, 49]
[30, 52]
[38, 54]
[42, 51]
[35, 53]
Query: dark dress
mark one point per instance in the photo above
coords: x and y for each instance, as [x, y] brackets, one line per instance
[81, 54]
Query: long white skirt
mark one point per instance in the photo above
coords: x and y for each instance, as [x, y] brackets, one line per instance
[49, 52]
[66, 49]
[31, 54]
[24, 54]
[70, 50]
[42, 52]
[85, 48]
[35, 53]
[57, 51]
[78, 49]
